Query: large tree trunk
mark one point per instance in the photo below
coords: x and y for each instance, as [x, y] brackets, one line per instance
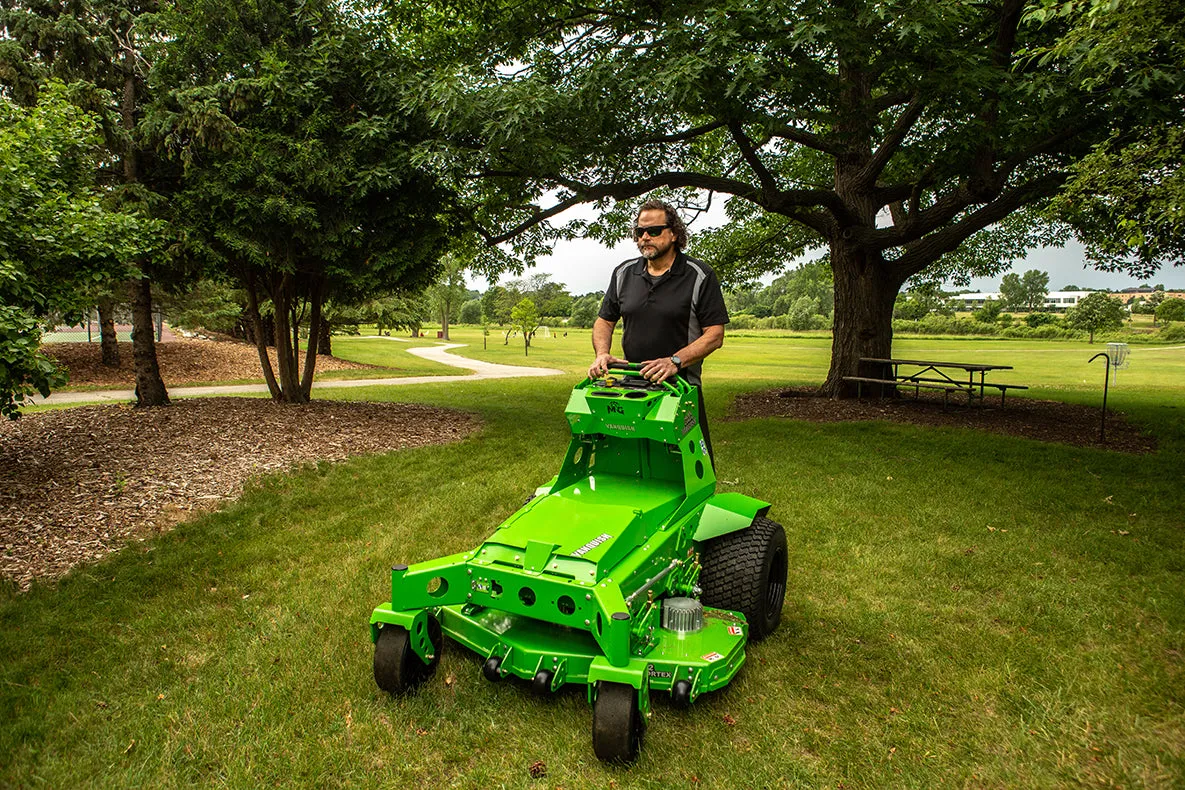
[108, 340]
[150, 388]
[864, 296]
[283, 300]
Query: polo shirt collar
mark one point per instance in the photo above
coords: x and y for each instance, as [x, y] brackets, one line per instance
[677, 267]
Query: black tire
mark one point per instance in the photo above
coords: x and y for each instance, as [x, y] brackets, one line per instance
[745, 571]
[617, 723]
[397, 668]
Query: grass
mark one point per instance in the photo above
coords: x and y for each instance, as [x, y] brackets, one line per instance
[963, 609]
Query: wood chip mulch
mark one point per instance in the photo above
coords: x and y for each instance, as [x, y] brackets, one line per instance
[182, 361]
[78, 484]
[1043, 420]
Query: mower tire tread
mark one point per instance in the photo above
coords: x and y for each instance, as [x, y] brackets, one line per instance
[397, 668]
[745, 572]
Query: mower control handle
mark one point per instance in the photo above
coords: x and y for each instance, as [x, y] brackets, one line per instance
[634, 369]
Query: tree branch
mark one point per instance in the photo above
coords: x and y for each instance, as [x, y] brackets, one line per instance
[905, 121]
[749, 152]
[803, 137]
[925, 251]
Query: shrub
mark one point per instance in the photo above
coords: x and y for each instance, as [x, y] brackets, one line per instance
[1040, 319]
[1173, 333]
[1171, 310]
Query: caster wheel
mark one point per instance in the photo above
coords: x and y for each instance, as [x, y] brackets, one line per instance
[397, 668]
[617, 723]
[681, 693]
[492, 669]
[542, 681]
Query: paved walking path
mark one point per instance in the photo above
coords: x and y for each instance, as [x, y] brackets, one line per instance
[481, 370]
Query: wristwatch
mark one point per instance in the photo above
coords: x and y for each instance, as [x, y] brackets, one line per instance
[678, 362]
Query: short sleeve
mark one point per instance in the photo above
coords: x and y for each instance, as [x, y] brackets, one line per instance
[611, 304]
[711, 310]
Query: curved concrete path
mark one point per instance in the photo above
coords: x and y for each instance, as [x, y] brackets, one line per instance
[439, 353]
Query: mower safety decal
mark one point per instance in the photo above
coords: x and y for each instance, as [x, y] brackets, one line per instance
[710, 657]
[592, 544]
[735, 630]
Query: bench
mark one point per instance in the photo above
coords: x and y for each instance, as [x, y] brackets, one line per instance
[1003, 388]
[946, 387]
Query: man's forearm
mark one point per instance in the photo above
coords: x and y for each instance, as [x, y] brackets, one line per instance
[602, 336]
[709, 341]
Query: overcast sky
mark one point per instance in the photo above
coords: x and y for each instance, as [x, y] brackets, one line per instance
[584, 266]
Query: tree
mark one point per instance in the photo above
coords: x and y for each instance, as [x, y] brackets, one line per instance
[1096, 313]
[525, 318]
[471, 312]
[904, 138]
[60, 236]
[585, 309]
[105, 48]
[1171, 310]
[447, 293]
[298, 173]
[1025, 293]
[989, 313]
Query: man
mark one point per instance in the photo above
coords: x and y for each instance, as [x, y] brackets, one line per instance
[672, 307]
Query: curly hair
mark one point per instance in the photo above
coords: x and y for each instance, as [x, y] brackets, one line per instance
[673, 219]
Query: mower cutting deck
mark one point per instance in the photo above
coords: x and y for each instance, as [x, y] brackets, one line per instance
[626, 572]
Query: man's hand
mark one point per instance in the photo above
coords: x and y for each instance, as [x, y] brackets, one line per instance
[600, 365]
[659, 370]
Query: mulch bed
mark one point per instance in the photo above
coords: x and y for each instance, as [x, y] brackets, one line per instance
[78, 484]
[1047, 421]
[182, 361]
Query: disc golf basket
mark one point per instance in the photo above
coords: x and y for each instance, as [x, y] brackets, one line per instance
[1116, 358]
[1117, 353]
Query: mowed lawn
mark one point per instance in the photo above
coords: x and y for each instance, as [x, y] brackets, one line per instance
[963, 609]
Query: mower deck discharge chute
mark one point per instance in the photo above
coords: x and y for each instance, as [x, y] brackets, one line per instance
[626, 572]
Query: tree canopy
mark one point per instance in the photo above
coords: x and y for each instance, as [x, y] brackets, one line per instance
[60, 234]
[903, 137]
[1025, 292]
[298, 174]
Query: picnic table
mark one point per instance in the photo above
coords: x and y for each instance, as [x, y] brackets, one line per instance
[947, 377]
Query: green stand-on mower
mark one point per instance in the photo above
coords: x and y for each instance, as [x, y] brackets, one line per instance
[626, 572]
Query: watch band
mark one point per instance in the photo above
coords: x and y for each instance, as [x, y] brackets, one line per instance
[678, 362]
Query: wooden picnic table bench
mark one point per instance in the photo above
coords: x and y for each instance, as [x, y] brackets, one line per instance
[932, 374]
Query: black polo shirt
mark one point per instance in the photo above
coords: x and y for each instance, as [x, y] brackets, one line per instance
[664, 314]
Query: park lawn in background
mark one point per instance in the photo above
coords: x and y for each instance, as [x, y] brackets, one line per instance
[962, 609]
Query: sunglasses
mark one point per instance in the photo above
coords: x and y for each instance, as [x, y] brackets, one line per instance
[653, 231]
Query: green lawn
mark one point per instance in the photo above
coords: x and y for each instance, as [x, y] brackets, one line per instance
[963, 609]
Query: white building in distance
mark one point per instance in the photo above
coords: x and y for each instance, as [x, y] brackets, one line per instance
[1055, 301]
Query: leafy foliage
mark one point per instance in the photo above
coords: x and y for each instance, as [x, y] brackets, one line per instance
[1025, 292]
[298, 179]
[1096, 312]
[900, 136]
[525, 319]
[60, 236]
[1171, 310]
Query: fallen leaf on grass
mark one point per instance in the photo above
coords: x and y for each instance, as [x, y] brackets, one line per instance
[538, 769]
[729, 720]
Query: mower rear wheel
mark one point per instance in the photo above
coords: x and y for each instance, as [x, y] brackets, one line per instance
[397, 668]
[745, 571]
[617, 723]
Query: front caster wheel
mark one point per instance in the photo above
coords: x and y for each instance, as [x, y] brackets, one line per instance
[492, 669]
[617, 723]
[542, 681]
[397, 668]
